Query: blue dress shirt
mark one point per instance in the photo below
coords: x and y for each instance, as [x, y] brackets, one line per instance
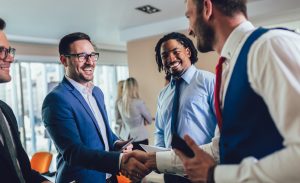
[196, 116]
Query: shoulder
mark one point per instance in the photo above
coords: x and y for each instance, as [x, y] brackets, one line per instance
[58, 96]
[277, 37]
[165, 90]
[204, 75]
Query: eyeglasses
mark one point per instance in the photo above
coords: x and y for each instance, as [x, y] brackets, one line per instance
[4, 52]
[83, 57]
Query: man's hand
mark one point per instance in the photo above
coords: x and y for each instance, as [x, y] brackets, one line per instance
[197, 167]
[133, 168]
[149, 159]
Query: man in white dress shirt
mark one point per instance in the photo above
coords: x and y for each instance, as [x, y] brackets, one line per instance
[270, 74]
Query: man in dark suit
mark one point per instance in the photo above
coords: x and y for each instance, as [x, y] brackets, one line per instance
[14, 162]
[74, 114]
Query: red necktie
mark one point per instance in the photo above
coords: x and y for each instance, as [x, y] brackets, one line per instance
[217, 91]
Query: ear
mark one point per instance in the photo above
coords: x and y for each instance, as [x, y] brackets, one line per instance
[188, 52]
[63, 60]
[207, 9]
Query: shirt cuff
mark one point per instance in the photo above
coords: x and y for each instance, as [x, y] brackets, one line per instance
[226, 173]
[120, 160]
[168, 162]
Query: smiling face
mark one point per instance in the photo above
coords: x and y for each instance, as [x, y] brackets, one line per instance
[175, 57]
[82, 72]
[4, 62]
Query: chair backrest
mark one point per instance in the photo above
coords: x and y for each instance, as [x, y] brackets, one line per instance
[41, 161]
[122, 179]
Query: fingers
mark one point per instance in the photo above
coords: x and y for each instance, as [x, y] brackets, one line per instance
[133, 169]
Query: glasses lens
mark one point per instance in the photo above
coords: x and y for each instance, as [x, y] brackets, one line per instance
[94, 56]
[82, 57]
[12, 52]
[4, 52]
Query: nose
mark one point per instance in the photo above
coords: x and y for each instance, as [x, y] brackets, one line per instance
[172, 57]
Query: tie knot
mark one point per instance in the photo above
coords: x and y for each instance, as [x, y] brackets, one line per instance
[176, 81]
[221, 61]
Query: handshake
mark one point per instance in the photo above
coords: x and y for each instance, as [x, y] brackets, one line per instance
[137, 164]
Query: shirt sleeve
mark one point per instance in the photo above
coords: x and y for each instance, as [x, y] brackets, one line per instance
[169, 162]
[273, 71]
[159, 131]
[145, 112]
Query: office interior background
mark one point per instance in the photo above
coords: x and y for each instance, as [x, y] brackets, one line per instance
[125, 38]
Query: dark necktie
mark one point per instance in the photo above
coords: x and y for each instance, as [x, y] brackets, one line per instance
[174, 121]
[8, 142]
[217, 91]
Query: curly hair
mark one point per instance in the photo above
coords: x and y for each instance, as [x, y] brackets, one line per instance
[182, 39]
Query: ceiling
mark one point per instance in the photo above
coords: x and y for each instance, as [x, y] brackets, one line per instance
[111, 23]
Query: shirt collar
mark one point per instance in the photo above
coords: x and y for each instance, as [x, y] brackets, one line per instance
[188, 74]
[81, 88]
[234, 39]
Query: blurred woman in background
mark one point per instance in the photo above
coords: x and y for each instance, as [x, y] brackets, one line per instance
[134, 113]
[120, 127]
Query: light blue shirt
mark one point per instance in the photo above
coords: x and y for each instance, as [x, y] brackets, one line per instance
[196, 114]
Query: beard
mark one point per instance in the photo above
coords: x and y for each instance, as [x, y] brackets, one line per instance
[205, 35]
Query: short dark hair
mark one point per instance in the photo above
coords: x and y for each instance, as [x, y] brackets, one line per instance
[182, 39]
[66, 41]
[227, 7]
[2, 24]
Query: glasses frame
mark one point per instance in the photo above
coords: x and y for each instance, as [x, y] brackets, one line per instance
[83, 57]
[7, 51]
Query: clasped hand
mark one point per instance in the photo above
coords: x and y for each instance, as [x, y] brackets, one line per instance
[137, 164]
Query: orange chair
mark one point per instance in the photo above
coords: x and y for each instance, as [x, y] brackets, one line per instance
[41, 161]
[122, 179]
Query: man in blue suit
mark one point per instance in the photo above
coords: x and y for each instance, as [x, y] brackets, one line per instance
[74, 114]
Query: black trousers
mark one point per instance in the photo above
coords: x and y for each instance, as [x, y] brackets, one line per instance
[169, 178]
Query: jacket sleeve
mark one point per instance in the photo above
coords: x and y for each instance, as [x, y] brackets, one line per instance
[59, 120]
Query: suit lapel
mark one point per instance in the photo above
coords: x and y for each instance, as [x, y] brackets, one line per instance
[7, 112]
[82, 101]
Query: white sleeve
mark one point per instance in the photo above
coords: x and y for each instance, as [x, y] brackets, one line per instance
[168, 162]
[274, 73]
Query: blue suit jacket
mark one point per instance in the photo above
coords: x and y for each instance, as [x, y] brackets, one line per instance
[76, 135]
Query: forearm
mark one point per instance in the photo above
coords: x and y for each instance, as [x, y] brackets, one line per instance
[282, 166]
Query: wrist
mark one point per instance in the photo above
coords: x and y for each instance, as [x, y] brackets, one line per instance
[151, 162]
[211, 174]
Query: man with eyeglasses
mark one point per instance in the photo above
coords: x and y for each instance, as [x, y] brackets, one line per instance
[14, 162]
[74, 114]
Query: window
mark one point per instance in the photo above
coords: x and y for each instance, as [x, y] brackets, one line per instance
[31, 81]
